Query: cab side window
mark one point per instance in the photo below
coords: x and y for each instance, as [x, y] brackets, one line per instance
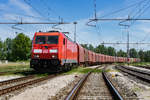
[64, 41]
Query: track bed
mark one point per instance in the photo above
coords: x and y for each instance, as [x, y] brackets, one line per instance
[95, 88]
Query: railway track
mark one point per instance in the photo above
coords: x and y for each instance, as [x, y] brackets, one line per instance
[94, 86]
[143, 75]
[22, 84]
[15, 80]
[146, 67]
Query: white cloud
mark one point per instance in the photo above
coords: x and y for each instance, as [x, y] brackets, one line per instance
[22, 6]
[85, 34]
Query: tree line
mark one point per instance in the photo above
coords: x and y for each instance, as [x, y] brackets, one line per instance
[19, 48]
[15, 49]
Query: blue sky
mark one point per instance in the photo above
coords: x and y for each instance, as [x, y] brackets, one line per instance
[80, 11]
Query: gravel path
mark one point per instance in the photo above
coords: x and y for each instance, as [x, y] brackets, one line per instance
[45, 91]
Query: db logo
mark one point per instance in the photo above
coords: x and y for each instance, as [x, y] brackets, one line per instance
[45, 51]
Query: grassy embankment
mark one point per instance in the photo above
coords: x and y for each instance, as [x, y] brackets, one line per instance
[146, 64]
[23, 68]
[83, 70]
[141, 64]
[14, 67]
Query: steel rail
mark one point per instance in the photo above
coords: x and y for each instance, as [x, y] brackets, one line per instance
[22, 85]
[73, 94]
[16, 80]
[139, 71]
[137, 74]
[113, 90]
[144, 67]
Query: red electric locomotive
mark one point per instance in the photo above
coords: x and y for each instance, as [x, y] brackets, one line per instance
[52, 50]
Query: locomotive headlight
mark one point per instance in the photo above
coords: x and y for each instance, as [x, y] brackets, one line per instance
[37, 50]
[53, 51]
[36, 56]
[54, 56]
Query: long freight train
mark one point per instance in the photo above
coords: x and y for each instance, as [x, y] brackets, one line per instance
[53, 50]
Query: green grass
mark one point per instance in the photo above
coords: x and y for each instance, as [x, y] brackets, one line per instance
[41, 75]
[21, 70]
[83, 70]
[138, 64]
[14, 69]
[141, 64]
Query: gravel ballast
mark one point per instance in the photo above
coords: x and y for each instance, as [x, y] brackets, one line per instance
[130, 89]
[95, 88]
[45, 91]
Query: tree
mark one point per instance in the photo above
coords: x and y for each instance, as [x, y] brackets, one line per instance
[84, 46]
[111, 51]
[147, 56]
[21, 47]
[8, 48]
[121, 53]
[1, 49]
[101, 49]
[141, 55]
[90, 47]
[133, 53]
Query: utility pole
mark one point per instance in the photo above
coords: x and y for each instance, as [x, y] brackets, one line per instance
[128, 51]
[75, 23]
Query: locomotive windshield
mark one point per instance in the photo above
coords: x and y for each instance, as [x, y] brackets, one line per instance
[40, 40]
[52, 40]
[46, 40]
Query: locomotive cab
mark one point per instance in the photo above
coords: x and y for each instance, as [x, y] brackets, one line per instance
[44, 54]
[53, 51]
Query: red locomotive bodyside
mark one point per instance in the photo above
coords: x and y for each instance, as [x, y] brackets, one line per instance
[52, 48]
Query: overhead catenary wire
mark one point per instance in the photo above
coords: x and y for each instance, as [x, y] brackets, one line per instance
[25, 15]
[142, 12]
[35, 9]
[51, 10]
[122, 9]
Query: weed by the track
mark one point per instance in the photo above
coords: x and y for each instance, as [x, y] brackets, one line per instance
[141, 64]
[83, 70]
[147, 64]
